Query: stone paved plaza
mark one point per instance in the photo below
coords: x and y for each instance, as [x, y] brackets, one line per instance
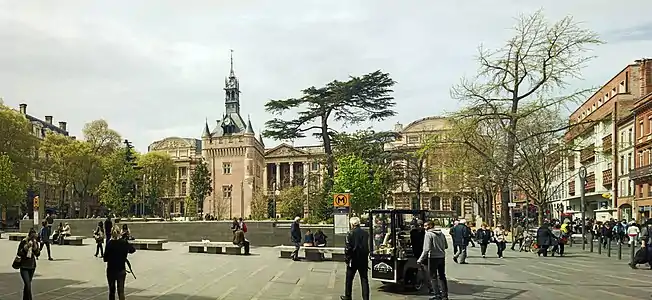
[175, 274]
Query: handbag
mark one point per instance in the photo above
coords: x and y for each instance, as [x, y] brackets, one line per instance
[16, 263]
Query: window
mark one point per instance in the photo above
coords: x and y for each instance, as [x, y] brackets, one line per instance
[631, 188]
[613, 92]
[622, 165]
[629, 136]
[599, 102]
[184, 188]
[641, 127]
[226, 168]
[413, 139]
[621, 87]
[314, 166]
[226, 191]
[630, 165]
[649, 125]
[183, 172]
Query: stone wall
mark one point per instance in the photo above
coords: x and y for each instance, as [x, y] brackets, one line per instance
[259, 233]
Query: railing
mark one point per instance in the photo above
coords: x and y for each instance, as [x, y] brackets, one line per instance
[641, 172]
[571, 188]
[607, 143]
[590, 183]
[587, 154]
[607, 177]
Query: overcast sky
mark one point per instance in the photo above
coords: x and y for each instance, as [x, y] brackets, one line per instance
[156, 68]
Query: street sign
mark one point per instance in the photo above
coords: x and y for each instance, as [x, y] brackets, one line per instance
[342, 200]
[511, 204]
[36, 203]
[582, 172]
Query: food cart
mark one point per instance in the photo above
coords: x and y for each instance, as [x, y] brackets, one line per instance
[392, 258]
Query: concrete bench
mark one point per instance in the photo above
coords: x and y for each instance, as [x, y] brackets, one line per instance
[214, 248]
[148, 244]
[73, 240]
[314, 253]
[16, 236]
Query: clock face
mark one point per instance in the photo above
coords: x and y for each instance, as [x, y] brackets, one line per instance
[227, 121]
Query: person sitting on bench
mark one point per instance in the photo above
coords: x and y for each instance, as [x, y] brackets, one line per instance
[320, 238]
[64, 233]
[308, 239]
[240, 240]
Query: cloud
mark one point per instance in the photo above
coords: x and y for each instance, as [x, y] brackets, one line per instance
[156, 68]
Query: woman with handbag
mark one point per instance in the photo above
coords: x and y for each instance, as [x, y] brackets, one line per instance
[98, 235]
[25, 261]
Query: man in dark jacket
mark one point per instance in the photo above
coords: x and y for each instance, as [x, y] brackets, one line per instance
[417, 235]
[115, 256]
[544, 239]
[461, 236]
[108, 226]
[357, 259]
[295, 237]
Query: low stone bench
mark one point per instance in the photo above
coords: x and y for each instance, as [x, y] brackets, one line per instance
[148, 244]
[214, 248]
[73, 240]
[314, 253]
[16, 236]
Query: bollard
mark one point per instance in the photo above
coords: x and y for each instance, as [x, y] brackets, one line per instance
[591, 243]
[570, 241]
[608, 247]
[620, 250]
[600, 245]
[633, 252]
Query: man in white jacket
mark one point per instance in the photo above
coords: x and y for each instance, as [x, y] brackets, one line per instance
[433, 261]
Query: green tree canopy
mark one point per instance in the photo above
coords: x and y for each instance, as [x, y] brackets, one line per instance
[290, 202]
[12, 188]
[159, 175]
[191, 207]
[115, 191]
[364, 98]
[362, 181]
[201, 184]
[17, 143]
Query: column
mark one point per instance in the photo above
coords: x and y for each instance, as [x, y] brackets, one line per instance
[265, 178]
[278, 176]
[291, 174]
[306, 174]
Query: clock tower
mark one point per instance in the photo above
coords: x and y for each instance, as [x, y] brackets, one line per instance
[235, 158]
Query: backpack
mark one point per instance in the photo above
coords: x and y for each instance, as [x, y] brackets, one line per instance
[244, 227]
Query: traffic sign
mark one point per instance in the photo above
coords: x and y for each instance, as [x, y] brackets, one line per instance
[342, 200]
[36, 202]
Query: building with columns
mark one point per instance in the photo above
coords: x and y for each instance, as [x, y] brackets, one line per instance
[186, 154]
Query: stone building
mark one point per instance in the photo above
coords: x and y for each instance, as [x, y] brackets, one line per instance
[436, 194]
[235, 158]
[186, 154]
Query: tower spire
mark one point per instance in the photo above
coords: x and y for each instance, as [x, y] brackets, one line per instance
[232, 73]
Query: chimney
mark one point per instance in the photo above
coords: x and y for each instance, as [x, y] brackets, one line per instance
[62, 126]
[48, 119]
[23, 108]
[398, 127]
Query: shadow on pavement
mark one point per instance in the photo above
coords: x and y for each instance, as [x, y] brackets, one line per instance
[461, 289]
[11, 288]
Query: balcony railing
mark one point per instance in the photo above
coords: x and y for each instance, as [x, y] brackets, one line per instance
[590, 183]
[587, 154]
[571, 188]
[641, 172]
[607, 177]
[607, 143]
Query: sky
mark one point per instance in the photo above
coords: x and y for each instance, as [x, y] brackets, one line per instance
[155, 68]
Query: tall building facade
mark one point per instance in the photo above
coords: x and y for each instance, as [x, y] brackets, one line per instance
[642, 173]
[235, 158]
[601, 136]
[186, 154]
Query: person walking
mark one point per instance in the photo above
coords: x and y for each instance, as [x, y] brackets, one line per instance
[108, 226]
[44, 238]
[461, 235]
[356, 252]
[518, 236]
[28, 251]
[544, 239]
[417, 235]
[484, 236]
[632, 233]
[295, 237]
[501, 239]
[115, 257]
[98, 235]
[433, 261]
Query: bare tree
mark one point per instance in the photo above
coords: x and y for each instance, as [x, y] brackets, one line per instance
[533, 67]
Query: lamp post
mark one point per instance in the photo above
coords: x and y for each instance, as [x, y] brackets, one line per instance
[582, 174]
